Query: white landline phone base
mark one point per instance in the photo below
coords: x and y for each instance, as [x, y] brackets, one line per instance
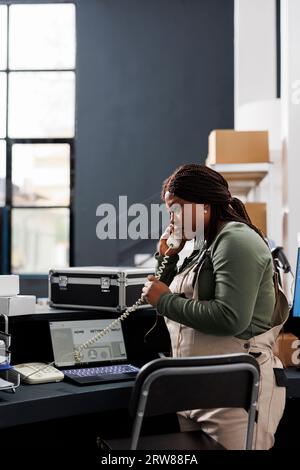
[38, 372]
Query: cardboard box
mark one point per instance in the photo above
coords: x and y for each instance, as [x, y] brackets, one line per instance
[9, 285]
[287, 349]
[257, 212]
[18, 305]
[229, 146]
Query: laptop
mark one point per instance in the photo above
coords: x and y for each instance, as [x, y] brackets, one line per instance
[101, 362]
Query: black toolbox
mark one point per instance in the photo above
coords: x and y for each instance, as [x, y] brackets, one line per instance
[97, 287]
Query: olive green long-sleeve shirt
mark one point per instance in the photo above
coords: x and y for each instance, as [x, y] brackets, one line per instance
[235, 284]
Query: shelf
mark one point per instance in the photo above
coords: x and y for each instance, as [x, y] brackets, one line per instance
[242, 177]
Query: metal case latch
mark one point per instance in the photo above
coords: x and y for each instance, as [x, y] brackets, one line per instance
[105, 283]
[62, 281]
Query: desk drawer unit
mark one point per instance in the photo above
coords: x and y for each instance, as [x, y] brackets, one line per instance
[96, 287]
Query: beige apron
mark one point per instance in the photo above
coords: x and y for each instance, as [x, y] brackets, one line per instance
[228, 426]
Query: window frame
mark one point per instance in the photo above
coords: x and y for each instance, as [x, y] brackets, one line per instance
[7, 229]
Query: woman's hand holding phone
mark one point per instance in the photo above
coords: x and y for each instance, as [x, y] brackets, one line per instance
[171, 241]
[153, 290]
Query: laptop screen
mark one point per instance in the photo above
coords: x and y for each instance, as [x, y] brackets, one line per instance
[296, 303]
[66, 336]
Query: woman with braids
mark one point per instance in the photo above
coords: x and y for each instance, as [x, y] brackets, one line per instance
[221, 300]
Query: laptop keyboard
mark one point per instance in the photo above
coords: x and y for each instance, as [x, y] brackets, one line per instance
[99, 371]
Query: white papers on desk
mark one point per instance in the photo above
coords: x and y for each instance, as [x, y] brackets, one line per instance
[3, 359]
[5, 384]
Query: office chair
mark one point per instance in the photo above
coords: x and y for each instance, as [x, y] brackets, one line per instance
[168, 385]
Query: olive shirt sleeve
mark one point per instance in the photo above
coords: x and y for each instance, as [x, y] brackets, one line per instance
[239, 260]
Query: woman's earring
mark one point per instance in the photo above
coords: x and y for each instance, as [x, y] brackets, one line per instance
[205, 211]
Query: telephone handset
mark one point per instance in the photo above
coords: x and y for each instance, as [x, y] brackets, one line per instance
[172, 242]
[175, 238]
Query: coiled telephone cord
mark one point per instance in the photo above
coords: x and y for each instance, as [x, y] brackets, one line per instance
[128, 311]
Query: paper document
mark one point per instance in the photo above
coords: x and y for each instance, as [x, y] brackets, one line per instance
[3, 359]
[5, 384]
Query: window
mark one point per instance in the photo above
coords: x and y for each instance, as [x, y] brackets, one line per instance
[37, 131]
[50, 97]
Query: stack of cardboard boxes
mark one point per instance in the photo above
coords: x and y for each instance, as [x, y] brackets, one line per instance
[239, 147]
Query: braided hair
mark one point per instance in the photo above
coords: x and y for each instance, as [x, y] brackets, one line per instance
[202, 185]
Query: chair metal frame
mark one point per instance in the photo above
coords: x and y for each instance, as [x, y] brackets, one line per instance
[197, 368]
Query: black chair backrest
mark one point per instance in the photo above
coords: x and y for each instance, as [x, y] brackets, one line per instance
[177, 384]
